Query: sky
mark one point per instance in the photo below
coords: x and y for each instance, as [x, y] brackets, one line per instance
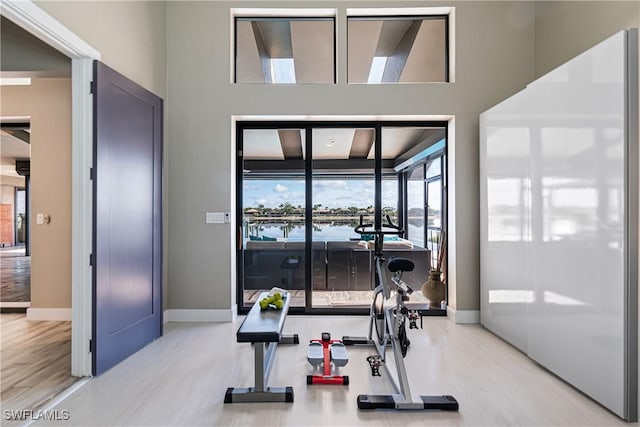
[330, 193]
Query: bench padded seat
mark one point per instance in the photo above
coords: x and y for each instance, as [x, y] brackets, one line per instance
[263, 325]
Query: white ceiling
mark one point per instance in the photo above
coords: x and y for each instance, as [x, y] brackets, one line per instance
[333, 144]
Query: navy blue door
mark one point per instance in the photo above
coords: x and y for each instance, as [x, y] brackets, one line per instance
[127, 262]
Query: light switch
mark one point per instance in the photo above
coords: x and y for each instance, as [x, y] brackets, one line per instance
[42, 218]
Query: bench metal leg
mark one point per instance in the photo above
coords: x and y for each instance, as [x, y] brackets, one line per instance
[262, 368]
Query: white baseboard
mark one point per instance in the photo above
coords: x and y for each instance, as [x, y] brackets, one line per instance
[165, 317]
[463, 316]
[49, 314]
[205, 315]
[25, 304]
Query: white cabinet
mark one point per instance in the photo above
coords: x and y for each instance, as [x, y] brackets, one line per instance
[555, 222]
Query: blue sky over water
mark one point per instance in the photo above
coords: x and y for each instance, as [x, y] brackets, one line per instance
[330, 193]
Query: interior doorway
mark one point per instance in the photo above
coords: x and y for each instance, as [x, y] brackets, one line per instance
[36, 258]
[303, 187]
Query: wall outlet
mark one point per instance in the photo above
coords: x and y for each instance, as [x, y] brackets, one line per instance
[215, 218]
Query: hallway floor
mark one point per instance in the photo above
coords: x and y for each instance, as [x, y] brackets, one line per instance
[15, 275]
[36, 361]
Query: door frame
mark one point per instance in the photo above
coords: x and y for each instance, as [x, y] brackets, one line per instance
[36, 21]
[307, 124]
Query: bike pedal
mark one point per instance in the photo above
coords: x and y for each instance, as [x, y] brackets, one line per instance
[374, 363]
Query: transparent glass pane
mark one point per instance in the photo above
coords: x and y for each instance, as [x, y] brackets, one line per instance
[397, 50]
[415, 207]
[285, 50]
[403, 148]
[434, 220]
[273, 200]
[434, 167]
[343, 190]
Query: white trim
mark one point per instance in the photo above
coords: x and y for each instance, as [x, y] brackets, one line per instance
[36, 21]
[81, 214]
[165, 317]
[48, 314]
[204, 315]
[463, 316]
[15, 81]
[58, 399]
[255, 12]
[25, 304]
[398, 11]
[414, 117]
[14, 119]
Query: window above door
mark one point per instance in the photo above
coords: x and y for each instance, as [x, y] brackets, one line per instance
[284, 49]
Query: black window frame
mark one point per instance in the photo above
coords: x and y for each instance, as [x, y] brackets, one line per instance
[307, 127]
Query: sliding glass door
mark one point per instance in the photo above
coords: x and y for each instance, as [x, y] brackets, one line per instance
[343, 176]
[272, 223]
[302, 187]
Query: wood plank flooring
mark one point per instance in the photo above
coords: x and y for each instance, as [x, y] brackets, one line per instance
[181, 378]
[35, 361]
[15, 275]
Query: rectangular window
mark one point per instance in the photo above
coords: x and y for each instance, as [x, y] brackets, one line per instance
[289, 50]
[397, 49]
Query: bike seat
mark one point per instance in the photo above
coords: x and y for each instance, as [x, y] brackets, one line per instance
[400, 264]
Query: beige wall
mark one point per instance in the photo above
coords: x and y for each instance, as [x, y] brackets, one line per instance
[15, 101]
[130, 35]
[51, 192]
[566, 28]
[494, 59]
[48, 103]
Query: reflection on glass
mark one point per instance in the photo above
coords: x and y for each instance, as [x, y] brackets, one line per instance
[557, 299]
[505, 200]
[273, 200]
[415, 207]
[284, 50]
[397, 49]
[511, 296]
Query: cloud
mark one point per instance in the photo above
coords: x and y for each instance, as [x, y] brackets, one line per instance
[330, 183]
[279, 188]
[261, 201]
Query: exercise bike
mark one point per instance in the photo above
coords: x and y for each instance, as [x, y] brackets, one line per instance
[388, 319]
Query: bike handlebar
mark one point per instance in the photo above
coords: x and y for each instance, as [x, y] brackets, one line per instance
[362, 228]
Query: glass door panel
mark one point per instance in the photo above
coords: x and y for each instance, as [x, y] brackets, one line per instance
[416, 207]
[343, 190]
[273, 213]
[434, 218]
[402, 148]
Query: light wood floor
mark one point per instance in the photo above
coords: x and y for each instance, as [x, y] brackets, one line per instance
[181, 378]
[35, 361]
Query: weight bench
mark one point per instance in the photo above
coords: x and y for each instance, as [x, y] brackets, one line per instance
[263, 328]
